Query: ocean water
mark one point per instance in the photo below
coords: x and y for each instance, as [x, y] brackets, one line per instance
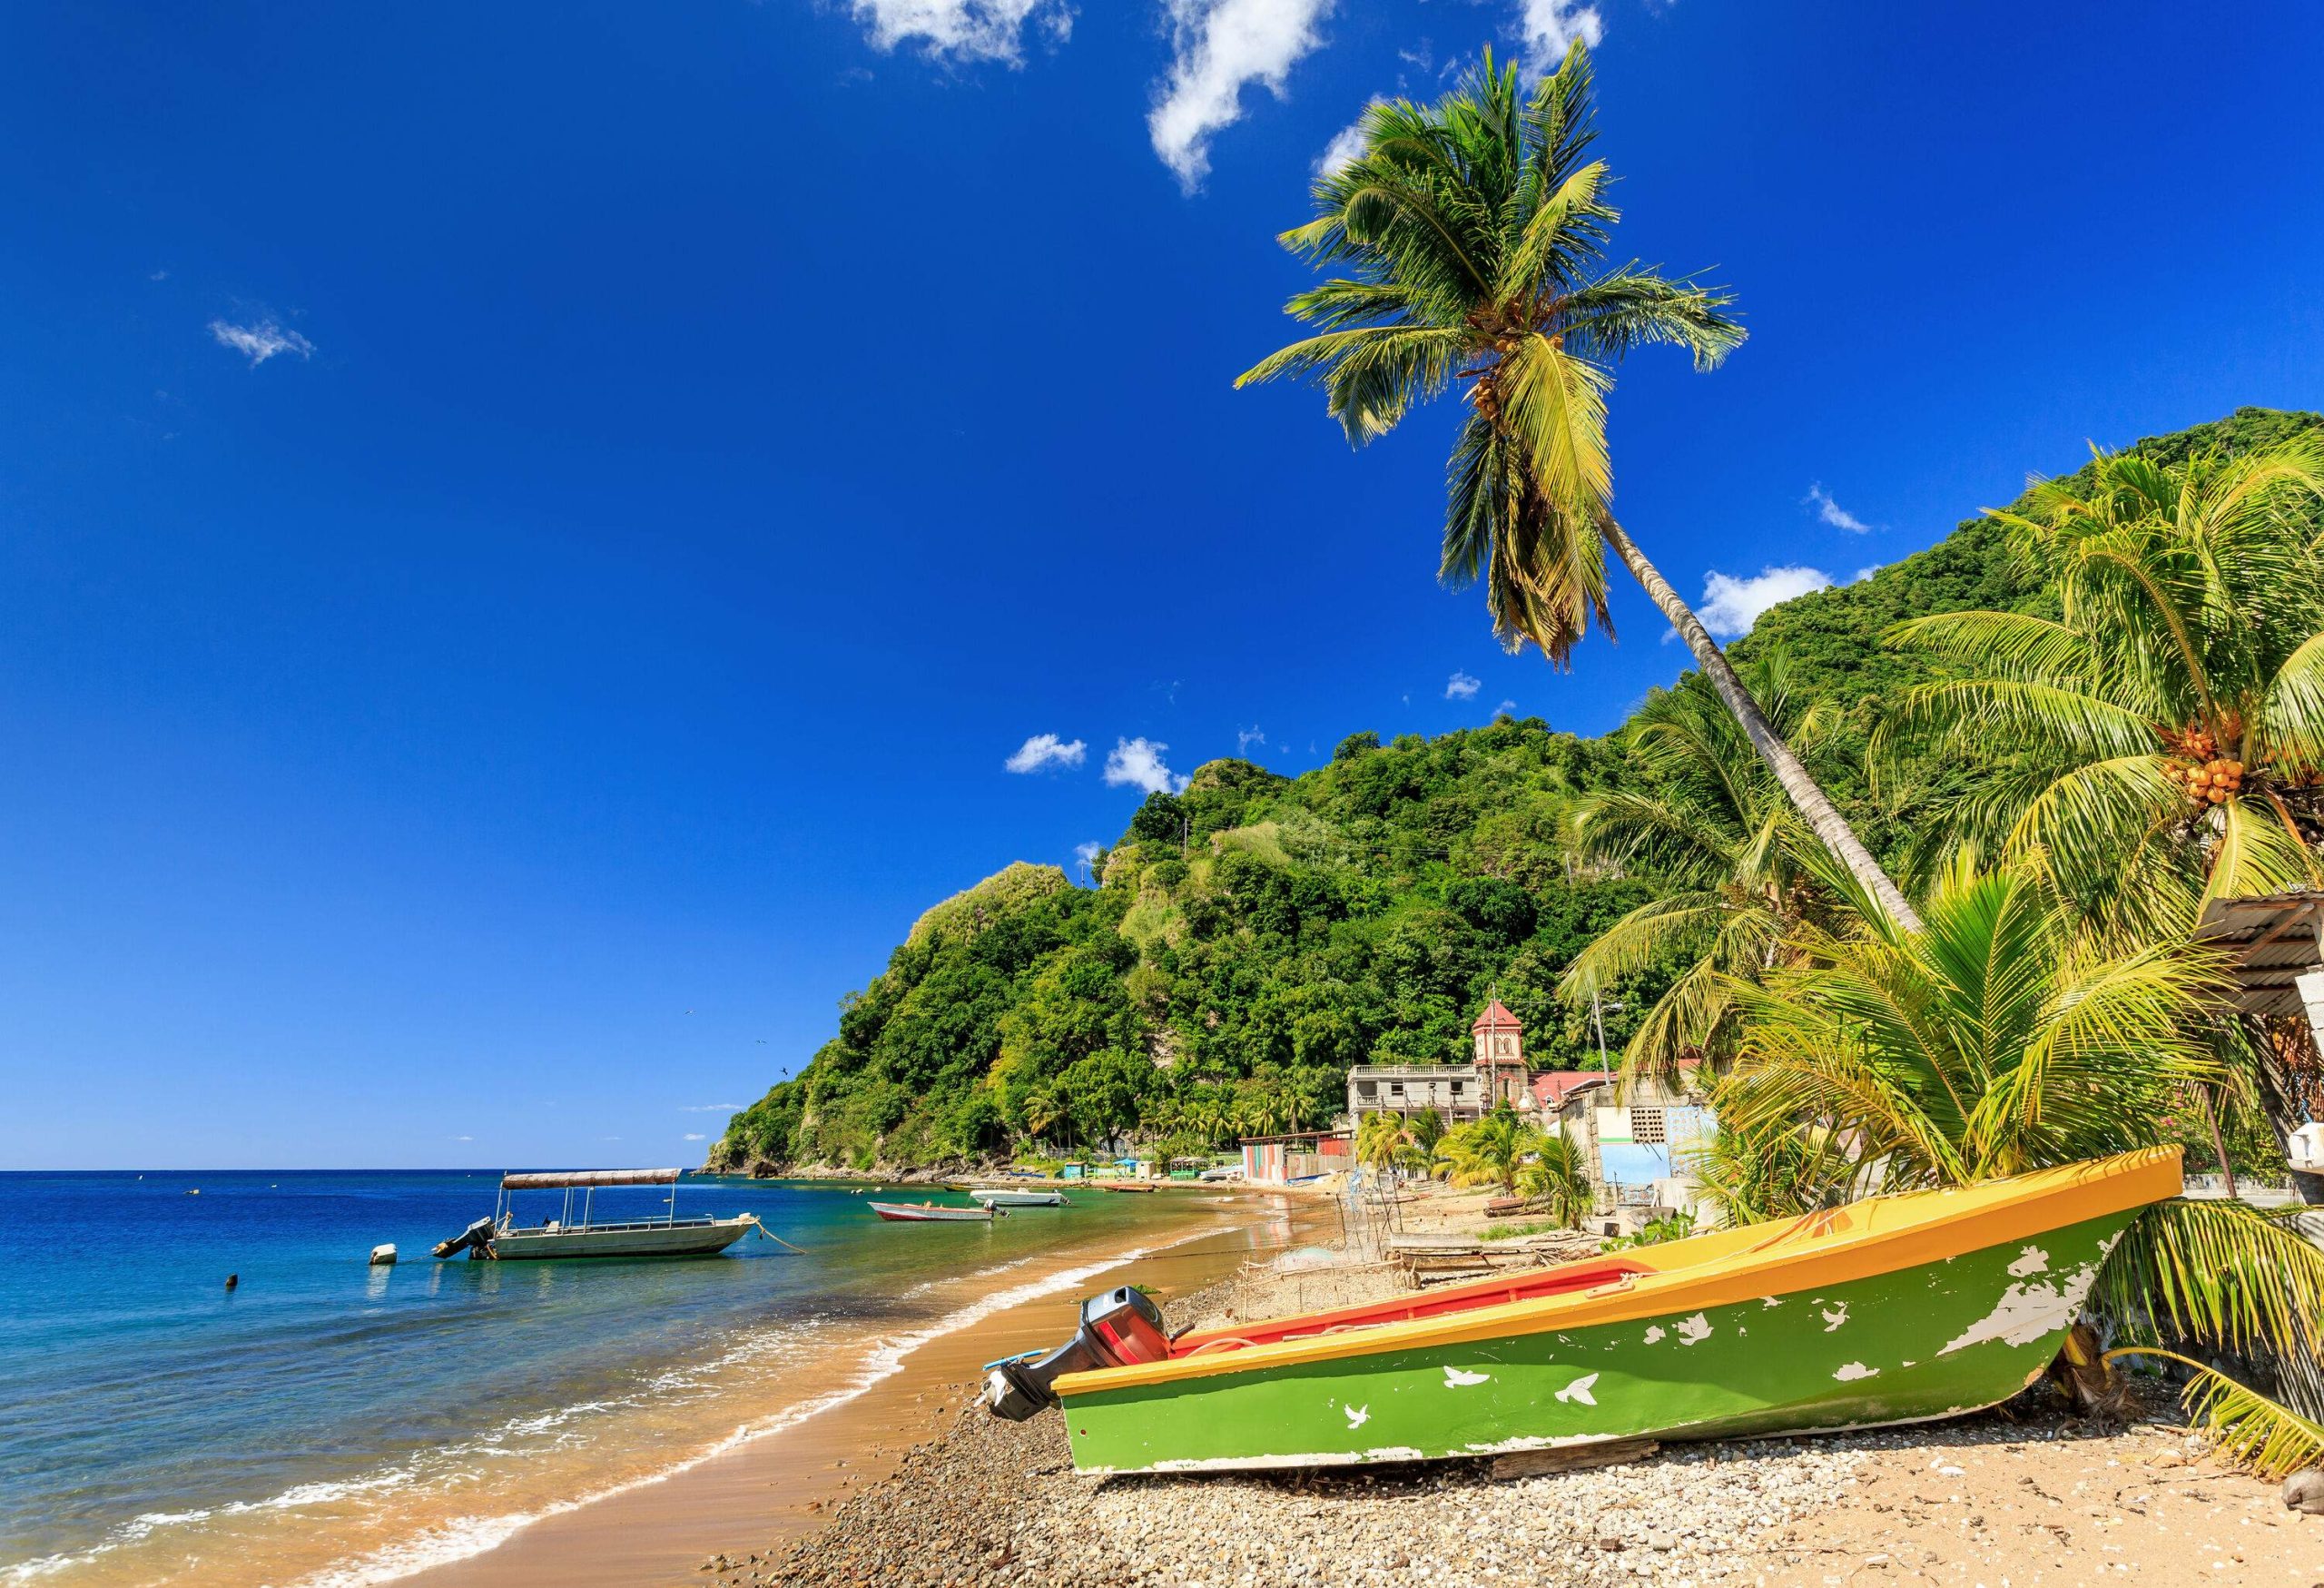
[333, 1423]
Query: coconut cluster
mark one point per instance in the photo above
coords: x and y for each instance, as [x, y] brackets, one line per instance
[2208, 783]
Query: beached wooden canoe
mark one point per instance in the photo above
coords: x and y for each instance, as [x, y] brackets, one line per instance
[1896, 1309]
[1124, 1186]
[931, 1213]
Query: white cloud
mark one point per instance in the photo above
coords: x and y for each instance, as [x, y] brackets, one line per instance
[1506, 709]
[1864, 574]
[1346, 144]
[1547, 29]
[1047, 750]
[710, 1108]
[1731, 605]
[1219, 48]
[1246, 737]
[260, 339]
[1088, 853]
[1137, 763]
[1461, 687]
[463, 1138]
[966, 30]
[1832, 513]
[694, 1136]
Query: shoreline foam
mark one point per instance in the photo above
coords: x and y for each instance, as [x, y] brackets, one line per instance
[699, 1501]
[434, 1512]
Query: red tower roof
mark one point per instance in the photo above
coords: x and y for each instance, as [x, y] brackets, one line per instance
[1497, 1018]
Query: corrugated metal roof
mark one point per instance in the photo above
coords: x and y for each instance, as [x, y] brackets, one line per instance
[2275, 938]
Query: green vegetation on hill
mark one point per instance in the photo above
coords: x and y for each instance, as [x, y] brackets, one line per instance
[1250, 939]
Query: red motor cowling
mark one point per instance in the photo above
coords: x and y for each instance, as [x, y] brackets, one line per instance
[1129, 1327]
[1118, 1329]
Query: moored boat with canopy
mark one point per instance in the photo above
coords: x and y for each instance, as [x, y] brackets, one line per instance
[501, 1238]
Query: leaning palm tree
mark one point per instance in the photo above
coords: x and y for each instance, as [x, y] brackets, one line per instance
[2002, 1038]
[1474, 232]
[2168, 727]
[1710, 825]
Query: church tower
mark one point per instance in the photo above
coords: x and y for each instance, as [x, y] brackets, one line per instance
[1501, 1057]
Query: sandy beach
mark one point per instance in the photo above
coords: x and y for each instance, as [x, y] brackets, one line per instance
[783, 1485]
[2023, 1495]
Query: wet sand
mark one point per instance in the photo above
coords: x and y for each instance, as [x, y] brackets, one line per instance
[783, 1484]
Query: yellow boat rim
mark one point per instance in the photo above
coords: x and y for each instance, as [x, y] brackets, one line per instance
[1819, 1250]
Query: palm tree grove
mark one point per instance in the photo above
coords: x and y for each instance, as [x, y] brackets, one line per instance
[1916, 890]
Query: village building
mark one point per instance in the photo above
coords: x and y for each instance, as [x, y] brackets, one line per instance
[2276, 945]
[1298, 1156]
[1635, 1142]
[1495, 1074]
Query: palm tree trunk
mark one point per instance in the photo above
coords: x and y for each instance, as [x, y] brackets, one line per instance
[2219, 1142]
[1812, 801]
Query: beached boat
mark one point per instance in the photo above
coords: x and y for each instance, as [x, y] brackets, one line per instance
[1895, 1309]
[1142, 1186]
[931, 1213]
[993, 1198]
[500, 1239]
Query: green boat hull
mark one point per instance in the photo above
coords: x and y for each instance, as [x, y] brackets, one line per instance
[1943, 1337]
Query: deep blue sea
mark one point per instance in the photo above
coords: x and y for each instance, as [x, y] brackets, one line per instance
[330, 1423]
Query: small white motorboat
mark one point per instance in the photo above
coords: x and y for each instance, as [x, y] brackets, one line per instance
[994, 1197]
[931, 1213]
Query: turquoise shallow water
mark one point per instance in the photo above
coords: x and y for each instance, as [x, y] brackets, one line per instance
[149, 1420]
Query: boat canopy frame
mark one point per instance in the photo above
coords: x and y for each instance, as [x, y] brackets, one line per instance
[586, 1181]
[560, 1179]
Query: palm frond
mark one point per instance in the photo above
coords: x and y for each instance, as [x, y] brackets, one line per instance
[2246, 1427]
[2008, 644]
[2223, 1273]
[1557, 407]
[2257, 854]
[2066, 721]
[1683, 844]
[1546, 246]
[2102, 830]
[2291, 713]
[1636, 307]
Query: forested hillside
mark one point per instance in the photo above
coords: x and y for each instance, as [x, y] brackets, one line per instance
[1251, 938]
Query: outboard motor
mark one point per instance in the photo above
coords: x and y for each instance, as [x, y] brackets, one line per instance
[472, 1240]
[1117, 1329]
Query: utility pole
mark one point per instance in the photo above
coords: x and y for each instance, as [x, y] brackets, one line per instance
[1598, 1016]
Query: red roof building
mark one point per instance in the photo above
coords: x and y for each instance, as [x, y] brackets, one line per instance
[1552, 1088]
[1496, 1019]
[1500, 1055]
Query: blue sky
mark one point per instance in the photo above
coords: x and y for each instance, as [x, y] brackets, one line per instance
[532, 532]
